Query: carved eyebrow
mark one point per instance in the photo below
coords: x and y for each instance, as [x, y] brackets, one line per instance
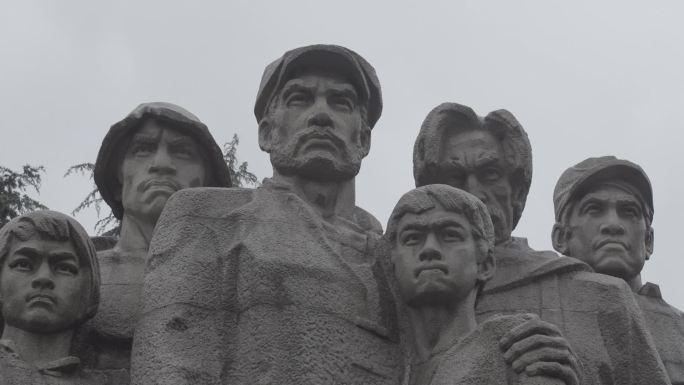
[28, 251]
[346, 92]
[143, 138]
[590, 199]
[62, 255]
[489, 160]
[181, 140]
[419, 225]
[292, 88]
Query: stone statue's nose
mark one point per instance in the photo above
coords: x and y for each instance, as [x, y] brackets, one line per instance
[320, 119]
[431, 250]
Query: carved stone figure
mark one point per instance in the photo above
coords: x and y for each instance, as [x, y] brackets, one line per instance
[49, 286]
[491, 158]
[158, 149]
[442, 243]
[604, 210]
[280, 284]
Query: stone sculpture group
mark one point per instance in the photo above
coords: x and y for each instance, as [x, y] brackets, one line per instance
[292, 283]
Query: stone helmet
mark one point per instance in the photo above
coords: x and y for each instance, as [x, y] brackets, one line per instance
[109, 157]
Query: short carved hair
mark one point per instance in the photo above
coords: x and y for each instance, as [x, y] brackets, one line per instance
[55, 226]
[425, 198]
[451, 118]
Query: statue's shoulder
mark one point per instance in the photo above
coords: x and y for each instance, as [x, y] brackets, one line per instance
[206, 202]
[367, 221]
[605, 282]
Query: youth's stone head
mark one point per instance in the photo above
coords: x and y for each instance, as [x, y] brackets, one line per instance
[49, 274]
[604, 209]
[316, 107]
[442, 241]
[158, 149]
[489, 157]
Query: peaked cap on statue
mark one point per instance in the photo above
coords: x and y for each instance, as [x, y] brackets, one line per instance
[321, 57]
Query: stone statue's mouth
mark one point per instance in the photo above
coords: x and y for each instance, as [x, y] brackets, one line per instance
[41, 297]
[320, 137]
[160, 182]
[431, 267]
[611, 243]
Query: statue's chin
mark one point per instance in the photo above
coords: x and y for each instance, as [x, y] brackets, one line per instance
[322, 168]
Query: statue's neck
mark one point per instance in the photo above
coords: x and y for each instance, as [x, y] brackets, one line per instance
[438, 327]
[39, 349]
[635, 283]
[330, 198]
[136, 233]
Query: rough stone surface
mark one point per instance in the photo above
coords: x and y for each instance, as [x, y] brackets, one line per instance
[596, 313]
[666, 324]
[441, 241]
[254, 287]
[156, 150]
[491, 158]
[604, 210]
[49, 286]
[477, 359]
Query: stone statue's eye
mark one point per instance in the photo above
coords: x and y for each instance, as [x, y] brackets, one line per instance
[342, 102]
[21, 264]
[631, 211]
[66, 268]
[491, 174]
[452, 234]
[411, 238]
[591, 208]
[184, 151]
[142, 148]
[297, 98]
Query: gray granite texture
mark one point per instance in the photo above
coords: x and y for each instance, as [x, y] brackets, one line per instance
[604, 210]
[491, 158]
[49, 286]
[278, 285]
[156, 150]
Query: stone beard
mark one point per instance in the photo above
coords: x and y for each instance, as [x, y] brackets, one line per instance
[286, 159]
[278, 284]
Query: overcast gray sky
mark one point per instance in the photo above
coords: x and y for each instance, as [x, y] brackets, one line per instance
[585, 78]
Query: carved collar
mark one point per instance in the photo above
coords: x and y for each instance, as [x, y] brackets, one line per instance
[61, 367]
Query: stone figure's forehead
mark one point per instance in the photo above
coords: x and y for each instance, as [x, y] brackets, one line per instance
[151, 130]
[313, 80]
[471, 147]
[611, 191]
[434, 218]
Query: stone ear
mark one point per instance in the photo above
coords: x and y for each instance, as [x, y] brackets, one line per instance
[559, 238]
[649, 242]
[365, 138]
[266, 134]
[486, 268]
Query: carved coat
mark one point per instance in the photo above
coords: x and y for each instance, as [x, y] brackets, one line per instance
[477, 359]
[104, 342]
[255, 287]
[596, 313]
[666, 324]
[64, 371]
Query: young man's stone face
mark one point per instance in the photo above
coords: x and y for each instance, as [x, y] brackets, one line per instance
[473, 161]
[435, 257]
[318, 128]
[158, 162]
[43, 285]
[607, 230]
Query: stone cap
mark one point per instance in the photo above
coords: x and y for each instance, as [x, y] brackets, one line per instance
[334, 58]
[592, 170]
[107, 163]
